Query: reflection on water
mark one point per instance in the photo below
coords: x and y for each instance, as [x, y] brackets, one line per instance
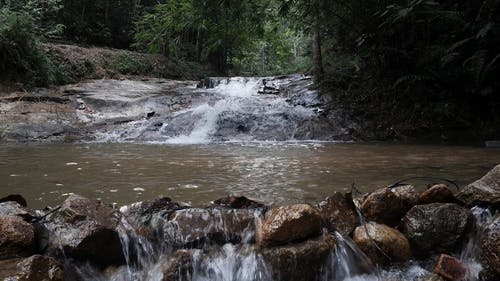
[272, 173]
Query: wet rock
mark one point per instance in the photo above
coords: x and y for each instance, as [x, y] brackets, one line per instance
[14, 209]
[238, 202]
[437, 226]
[485, 191]
[289, 223]
[300, 261]
[15, 198]
[430, 277]
[407, 194]
[391, 245]
[143, 212]
[450, 268]
[383, 206]
[438, 193]
[338, 213]
[178, 266]
[34, 268]
[85, 230]
[16, 238]
[490, 250]
[195, 227]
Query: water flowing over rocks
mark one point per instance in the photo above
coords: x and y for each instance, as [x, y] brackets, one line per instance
[437, 227]
[382, 244]
[289, 223]
[85, 230]
[168, 111]
[490, 248]
[236, 239]
[485, 191]
[34, 268]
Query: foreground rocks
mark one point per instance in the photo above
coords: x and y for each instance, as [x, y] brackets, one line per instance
[83, 229]
[437, 227]
[239, 238]
[289, 223]
[382, 244]
[483, 192]
[34, 268]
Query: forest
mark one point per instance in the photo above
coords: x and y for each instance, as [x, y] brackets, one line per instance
[406, 67]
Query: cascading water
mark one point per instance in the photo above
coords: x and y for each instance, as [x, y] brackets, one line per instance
[236, 109]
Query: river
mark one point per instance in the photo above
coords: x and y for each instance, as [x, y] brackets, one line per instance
[270, 172]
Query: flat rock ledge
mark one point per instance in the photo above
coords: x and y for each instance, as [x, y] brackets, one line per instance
[294, 242]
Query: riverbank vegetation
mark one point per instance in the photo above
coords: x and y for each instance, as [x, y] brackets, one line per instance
[412, 67]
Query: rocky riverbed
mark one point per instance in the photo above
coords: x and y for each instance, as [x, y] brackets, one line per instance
[170, 111]
[394, 233]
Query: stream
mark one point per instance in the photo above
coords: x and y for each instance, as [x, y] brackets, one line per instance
[268, 139]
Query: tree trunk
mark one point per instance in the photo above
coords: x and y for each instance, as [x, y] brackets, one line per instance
[316, 43]
[166, 46]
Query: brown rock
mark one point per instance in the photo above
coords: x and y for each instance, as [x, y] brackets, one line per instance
[299, 261]
[289, 223]
[237, 202]
[450, 268]
[439, 193]
[393, 243]
[437, 226]
[383, 206]
[485, 191]
[338, 214]
[34, 268]
[16, 238]
[85, 230]
[195, 227]
[407, 194]
[490, 250]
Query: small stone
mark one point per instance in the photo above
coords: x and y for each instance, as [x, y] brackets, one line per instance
[288, 224]
[450, 268]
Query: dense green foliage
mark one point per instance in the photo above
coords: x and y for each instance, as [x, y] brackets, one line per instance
[20, 55]
[404, 64]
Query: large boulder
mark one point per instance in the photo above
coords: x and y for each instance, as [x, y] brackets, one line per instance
[438, 193]
[338, 213]
[485, 191]
[195, 227]
[34, 268]
[382, 244]
[17, 238]
[387, 205]
[300, 261]
[83, 229]
[289, 223]
[490, 250]
[437, 226]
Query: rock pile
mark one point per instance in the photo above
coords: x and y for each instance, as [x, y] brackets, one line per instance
[296, 242]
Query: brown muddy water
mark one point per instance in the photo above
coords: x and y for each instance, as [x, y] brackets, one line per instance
[274, 173]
